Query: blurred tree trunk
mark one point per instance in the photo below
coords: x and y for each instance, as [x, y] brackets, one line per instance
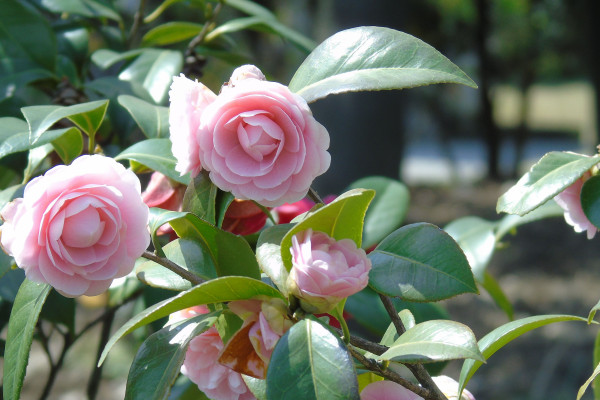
[490, 130]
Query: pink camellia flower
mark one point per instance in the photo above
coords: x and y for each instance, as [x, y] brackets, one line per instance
[244, 217]
[78, 227]
[259, 140]
[387, 390]
[249, 350]
[325, 270]
[288, 211]
[570, 201]
[201, 364]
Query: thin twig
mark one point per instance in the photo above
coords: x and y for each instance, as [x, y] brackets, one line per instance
[94, 382]
[364, 344]
[137, 22]
[54, 368]
[374, 366]
[170, 265]
[208, 26]
[418, 370]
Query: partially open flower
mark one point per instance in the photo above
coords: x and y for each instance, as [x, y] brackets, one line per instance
[326, 270]
[249, 350]
[570, 201]
[244, 217]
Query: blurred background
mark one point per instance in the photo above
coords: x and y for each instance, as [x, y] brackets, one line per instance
[457, 149]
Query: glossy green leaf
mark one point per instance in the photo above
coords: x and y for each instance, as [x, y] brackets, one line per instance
[547, 178]
[26, 38]
[309, 362]
[69, 146]
[476, 238]
[189, 255]
[159, 358]
[9, 83]
[171, 32]
[341, 219]
[157, 218]
[215, 291]
[88, 116]
[593, 311]
[156, 155]
[154, 70]
[387, 210]
[584, 387]
[372, 58]
[503, 335]
[493, 288]
[251, 8]
[590, 200]
[434, 341]
[23, 319]
[509, 223]
[258, 387]
[420, 262]
[105, 58]
[111, 87]
[268, 254]
[20, 141]
[231, 253]
[160, 9]
[391, 334]
[85, 8]
[200, 198]
[152, 120]
[35, 158]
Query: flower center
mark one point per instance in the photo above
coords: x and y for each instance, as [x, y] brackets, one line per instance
[82, 229]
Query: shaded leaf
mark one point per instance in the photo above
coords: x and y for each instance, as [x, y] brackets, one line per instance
[23, 319]
[200, 198]
[590, 200]
[509, 223]
[309, 362]
[268, 254]
[153, 120]
[476, 238]
[86, 8]
[495, 291]
[434, 341]
[69, 146]
[156, 155]
[503, 335]
[171, 32]
[105, 58]
[218, 290]
[420, 262]
[547, 178]
[20, 141]
[372, 58]
[584, 387]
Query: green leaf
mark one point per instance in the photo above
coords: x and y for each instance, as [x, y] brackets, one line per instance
[23, 319]
[159, 358]
[547, 178]
[10, 83]
[584, 387]
[590, 199]
[434, 341]
[258, 387]
[476, 238]
[200, 198]
[154, 70]
[231, 254]
[87, 116]
[592, 313]
[189, 255]
[159, 10]
[341, 219]
[85, 8]
[309, 362]
[153, 120]
[509, 223]
[105, 58]
[372, 58]
[156, 155]
[495, 291]
[218, 290]
[388, 209]
[251, 8]
[26, 38]
[69, 146]
[503, 335]
[35, 159]
[420, 262]
[20, 141]
[171, 32]
[268, 254]
[391, 334]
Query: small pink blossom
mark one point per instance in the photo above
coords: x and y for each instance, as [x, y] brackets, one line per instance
[387, 390]
[325, 271]
[570, 201]
[249, 350]
[78, 227]
[163, 193]
[259, 140]
[244, 217]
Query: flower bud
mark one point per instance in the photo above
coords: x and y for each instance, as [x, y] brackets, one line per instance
[325, 271]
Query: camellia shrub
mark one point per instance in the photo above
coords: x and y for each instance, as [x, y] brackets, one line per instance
[257, 277]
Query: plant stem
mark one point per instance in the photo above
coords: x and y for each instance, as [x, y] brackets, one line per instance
[209, 25]
[170, 265]
[137, 21]
[94, 382]
[417, 369]
[54, 368]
